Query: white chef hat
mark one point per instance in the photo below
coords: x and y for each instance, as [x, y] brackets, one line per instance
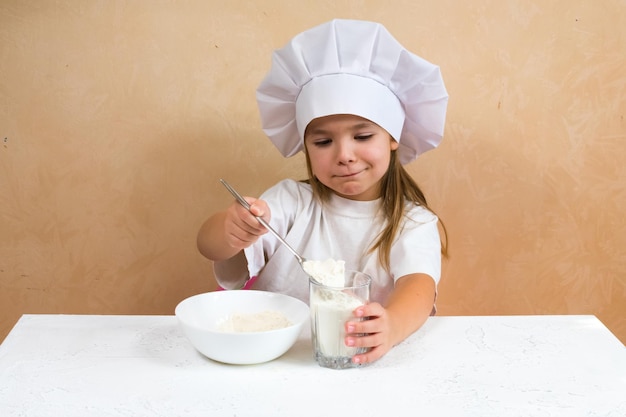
[352, 67]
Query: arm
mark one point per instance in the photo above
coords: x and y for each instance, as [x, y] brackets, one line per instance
[407, 309]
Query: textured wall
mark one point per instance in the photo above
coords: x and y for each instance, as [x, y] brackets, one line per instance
[117, 119]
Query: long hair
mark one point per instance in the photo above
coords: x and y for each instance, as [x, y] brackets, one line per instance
[397, 188]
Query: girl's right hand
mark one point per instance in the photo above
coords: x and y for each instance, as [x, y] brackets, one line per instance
[241, 228]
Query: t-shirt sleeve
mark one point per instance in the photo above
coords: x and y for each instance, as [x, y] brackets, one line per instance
[418, 247]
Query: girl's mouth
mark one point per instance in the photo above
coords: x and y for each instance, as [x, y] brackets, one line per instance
[348, 175]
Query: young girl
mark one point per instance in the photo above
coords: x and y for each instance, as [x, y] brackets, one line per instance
[359, 105]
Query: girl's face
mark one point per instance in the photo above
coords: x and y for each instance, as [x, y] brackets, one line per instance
[349, 154]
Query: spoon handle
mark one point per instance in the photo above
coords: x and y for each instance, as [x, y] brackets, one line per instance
[265, 224]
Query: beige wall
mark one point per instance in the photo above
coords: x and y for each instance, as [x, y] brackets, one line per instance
[118, 118]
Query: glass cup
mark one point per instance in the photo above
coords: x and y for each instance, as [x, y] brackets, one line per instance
[331, 308]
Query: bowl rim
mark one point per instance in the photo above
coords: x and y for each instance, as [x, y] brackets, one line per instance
[293, 324]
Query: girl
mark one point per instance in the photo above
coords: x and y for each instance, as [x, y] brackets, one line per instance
[359, 105]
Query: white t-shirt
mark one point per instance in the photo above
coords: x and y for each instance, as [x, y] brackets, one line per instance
[341, 229]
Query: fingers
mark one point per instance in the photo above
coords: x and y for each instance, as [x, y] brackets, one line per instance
[375, 343]
[370, 310]
[371, 331]
[370, 356]
[258, 207]
[242, 227]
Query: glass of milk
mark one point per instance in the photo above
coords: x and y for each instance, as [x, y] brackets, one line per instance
[331, 307]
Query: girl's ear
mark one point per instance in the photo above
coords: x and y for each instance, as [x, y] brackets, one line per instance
[393, 144]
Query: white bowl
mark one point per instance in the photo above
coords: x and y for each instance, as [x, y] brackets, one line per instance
[200, 317]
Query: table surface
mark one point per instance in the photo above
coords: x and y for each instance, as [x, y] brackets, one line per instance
[73, 365]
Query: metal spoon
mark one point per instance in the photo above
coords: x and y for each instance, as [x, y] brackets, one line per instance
[245, 204]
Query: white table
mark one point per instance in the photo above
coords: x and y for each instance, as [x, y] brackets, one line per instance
[57, 365]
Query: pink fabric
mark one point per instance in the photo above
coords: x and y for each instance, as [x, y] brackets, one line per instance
[248, 285]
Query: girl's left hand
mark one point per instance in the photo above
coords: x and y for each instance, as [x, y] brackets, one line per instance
[377, 330]
[407, 308]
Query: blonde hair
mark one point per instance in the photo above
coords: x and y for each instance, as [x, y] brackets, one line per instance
[396, 188]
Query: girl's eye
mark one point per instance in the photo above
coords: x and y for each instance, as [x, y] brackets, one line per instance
[321, 142]
[363, 137]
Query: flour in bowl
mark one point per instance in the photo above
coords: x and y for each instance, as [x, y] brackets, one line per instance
[254, 322]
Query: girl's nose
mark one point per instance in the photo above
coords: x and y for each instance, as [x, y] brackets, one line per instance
[345, 152]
